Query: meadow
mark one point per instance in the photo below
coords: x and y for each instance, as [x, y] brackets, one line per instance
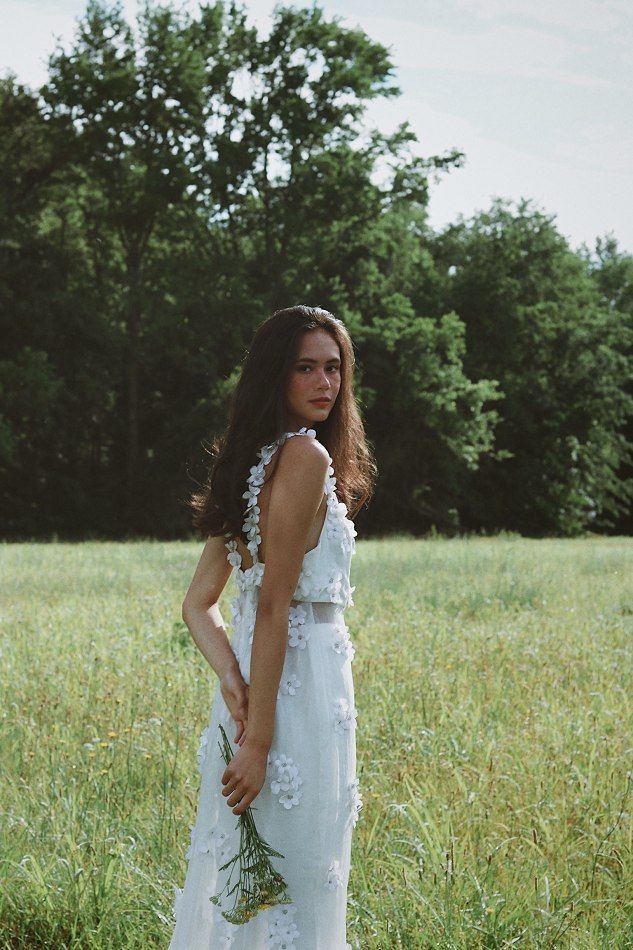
[494, 736]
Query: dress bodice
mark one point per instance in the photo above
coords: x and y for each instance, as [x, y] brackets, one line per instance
[325, 570]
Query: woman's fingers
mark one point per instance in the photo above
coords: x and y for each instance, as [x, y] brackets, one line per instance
[237, 796]
[243, 805]
[230, 783]
[236, 793]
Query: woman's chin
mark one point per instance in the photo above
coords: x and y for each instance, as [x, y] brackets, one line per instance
[319, 416]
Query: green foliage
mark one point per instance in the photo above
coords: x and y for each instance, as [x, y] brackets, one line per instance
[537, 322]
[168, 187]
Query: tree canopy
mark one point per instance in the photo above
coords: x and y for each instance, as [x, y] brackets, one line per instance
[173, 183]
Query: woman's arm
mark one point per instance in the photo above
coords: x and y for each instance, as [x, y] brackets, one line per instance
[295, 497]
[200, 609]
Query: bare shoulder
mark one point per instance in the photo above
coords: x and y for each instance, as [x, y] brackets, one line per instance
[301, 459]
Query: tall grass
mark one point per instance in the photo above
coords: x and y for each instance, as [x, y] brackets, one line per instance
[493, 683]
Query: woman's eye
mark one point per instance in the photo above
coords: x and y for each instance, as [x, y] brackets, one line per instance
[333, 368]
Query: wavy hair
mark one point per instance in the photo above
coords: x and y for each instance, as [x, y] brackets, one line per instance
[258, 416]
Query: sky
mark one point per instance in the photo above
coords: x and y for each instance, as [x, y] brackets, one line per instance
[536, 93]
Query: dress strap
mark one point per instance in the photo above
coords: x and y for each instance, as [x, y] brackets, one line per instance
[255, 481]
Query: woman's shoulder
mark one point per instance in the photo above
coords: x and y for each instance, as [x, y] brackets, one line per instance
[305, 451]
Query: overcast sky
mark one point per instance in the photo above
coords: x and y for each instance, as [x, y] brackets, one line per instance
[537, 93]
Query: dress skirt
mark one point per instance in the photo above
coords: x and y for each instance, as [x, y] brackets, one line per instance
[307, 807]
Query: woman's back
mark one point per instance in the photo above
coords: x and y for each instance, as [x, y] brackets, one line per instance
[325, 571]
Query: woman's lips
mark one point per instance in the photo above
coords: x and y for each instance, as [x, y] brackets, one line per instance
[320, 402]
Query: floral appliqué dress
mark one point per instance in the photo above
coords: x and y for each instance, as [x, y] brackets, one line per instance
[311, 799]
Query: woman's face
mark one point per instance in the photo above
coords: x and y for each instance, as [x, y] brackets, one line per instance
[315, 374]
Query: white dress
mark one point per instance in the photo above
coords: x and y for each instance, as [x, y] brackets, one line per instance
[310, 800]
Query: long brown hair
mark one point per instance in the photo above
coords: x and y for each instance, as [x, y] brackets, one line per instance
[258, 416]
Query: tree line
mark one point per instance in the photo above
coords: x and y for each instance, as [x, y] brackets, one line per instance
[176, 180]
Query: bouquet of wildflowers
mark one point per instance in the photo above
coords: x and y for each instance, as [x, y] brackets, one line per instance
[258, 886]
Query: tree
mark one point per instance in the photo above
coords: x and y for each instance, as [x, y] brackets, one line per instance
[612, 271]
[139, 116]
[535, 321]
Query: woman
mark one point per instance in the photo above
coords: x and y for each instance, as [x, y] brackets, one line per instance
[286, 684]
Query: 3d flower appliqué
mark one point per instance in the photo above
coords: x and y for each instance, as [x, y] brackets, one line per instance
[298, 637]
[289, 684]
[297, 615]
[233, 557]
[285, 778]
[282, 929]
[212, 841]
[344, 715]
[334, 584]
[203, 748]
[334, 877]
[355, 799]
[341, 643]
[305, 583]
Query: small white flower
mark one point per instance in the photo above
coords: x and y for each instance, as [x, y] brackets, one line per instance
[282, 930]
[334, 877]
[234, 557]
[213, 840]
[298, 637]
[251, 495]
[251, 577]
[286, 775]
[341, 643]
[335, 531]
[291, 797]
[344, 715]
[289, 684]
[203, 748]
[297, 615]
[256, 476]
[335, 583]
[355, 799]
[304, 585]
[285, 778]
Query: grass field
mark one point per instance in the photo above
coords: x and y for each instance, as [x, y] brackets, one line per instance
[493, 683]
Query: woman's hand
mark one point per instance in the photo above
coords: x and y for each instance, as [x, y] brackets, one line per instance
[235, 693]
[244, 777]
